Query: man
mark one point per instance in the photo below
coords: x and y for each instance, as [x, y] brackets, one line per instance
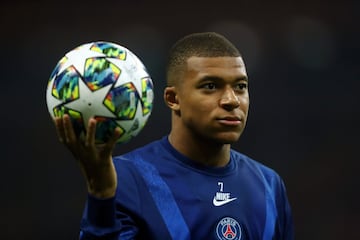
[189, 184]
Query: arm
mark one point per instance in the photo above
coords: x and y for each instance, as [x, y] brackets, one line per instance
[95, 161]
[285, 222]
[100, 220]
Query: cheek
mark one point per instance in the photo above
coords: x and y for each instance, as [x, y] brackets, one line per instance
[245, 103]
[197, 108]
[200, 105]
[205, 107]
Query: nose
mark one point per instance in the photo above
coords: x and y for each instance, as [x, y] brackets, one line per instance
[229, 100]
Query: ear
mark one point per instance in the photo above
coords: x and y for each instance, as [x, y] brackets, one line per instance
[171, 98]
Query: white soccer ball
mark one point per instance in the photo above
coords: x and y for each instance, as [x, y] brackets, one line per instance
[106, 81]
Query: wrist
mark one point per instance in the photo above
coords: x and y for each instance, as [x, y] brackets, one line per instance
[102, 183]
[103, 192]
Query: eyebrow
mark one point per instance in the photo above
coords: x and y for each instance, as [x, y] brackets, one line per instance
[218, 79]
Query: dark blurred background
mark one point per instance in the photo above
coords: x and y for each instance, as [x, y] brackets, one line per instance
[303, 62]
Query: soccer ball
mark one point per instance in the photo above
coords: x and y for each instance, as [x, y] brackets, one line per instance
[106, 81]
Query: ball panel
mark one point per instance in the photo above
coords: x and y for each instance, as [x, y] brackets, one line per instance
[99, 72]
[75, 117]
[105, 129]
[110, 50]
[147, 95]
[66, 85]
[122, 101]
[57, 67]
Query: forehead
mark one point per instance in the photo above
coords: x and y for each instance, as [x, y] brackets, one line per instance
[217, 66]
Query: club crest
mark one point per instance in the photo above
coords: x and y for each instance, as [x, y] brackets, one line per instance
[228, 229]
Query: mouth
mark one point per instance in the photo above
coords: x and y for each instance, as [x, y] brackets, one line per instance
[230, 121]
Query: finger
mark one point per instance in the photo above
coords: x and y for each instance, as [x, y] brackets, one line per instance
[91, 130]
[69, 133]
[59, 128]
[114, 138]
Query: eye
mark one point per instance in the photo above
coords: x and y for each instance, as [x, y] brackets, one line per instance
[241, 86]
[209, 86]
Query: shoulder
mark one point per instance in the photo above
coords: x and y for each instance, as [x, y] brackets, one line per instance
[149, 148]
[249, 162]
[265, 173]
[147, 153]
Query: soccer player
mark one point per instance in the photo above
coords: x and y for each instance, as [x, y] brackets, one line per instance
[189, 184]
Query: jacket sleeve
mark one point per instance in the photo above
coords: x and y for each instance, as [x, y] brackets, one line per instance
[285, 227]
[279, 222]
[101, 220]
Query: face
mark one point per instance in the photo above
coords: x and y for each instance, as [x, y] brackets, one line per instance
[213, 99]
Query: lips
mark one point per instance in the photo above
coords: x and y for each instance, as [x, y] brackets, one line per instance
[230, 120]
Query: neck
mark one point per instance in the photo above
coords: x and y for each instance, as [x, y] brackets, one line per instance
[206, 152]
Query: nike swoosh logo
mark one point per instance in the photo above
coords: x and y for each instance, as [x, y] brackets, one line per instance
[218, 203]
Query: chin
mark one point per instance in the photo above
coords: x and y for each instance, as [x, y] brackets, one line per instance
[228, 138]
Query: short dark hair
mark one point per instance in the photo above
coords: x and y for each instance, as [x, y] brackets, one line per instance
[204, 44]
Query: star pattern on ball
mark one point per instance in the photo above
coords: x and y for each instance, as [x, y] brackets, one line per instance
[90, 103]
[78, 57]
